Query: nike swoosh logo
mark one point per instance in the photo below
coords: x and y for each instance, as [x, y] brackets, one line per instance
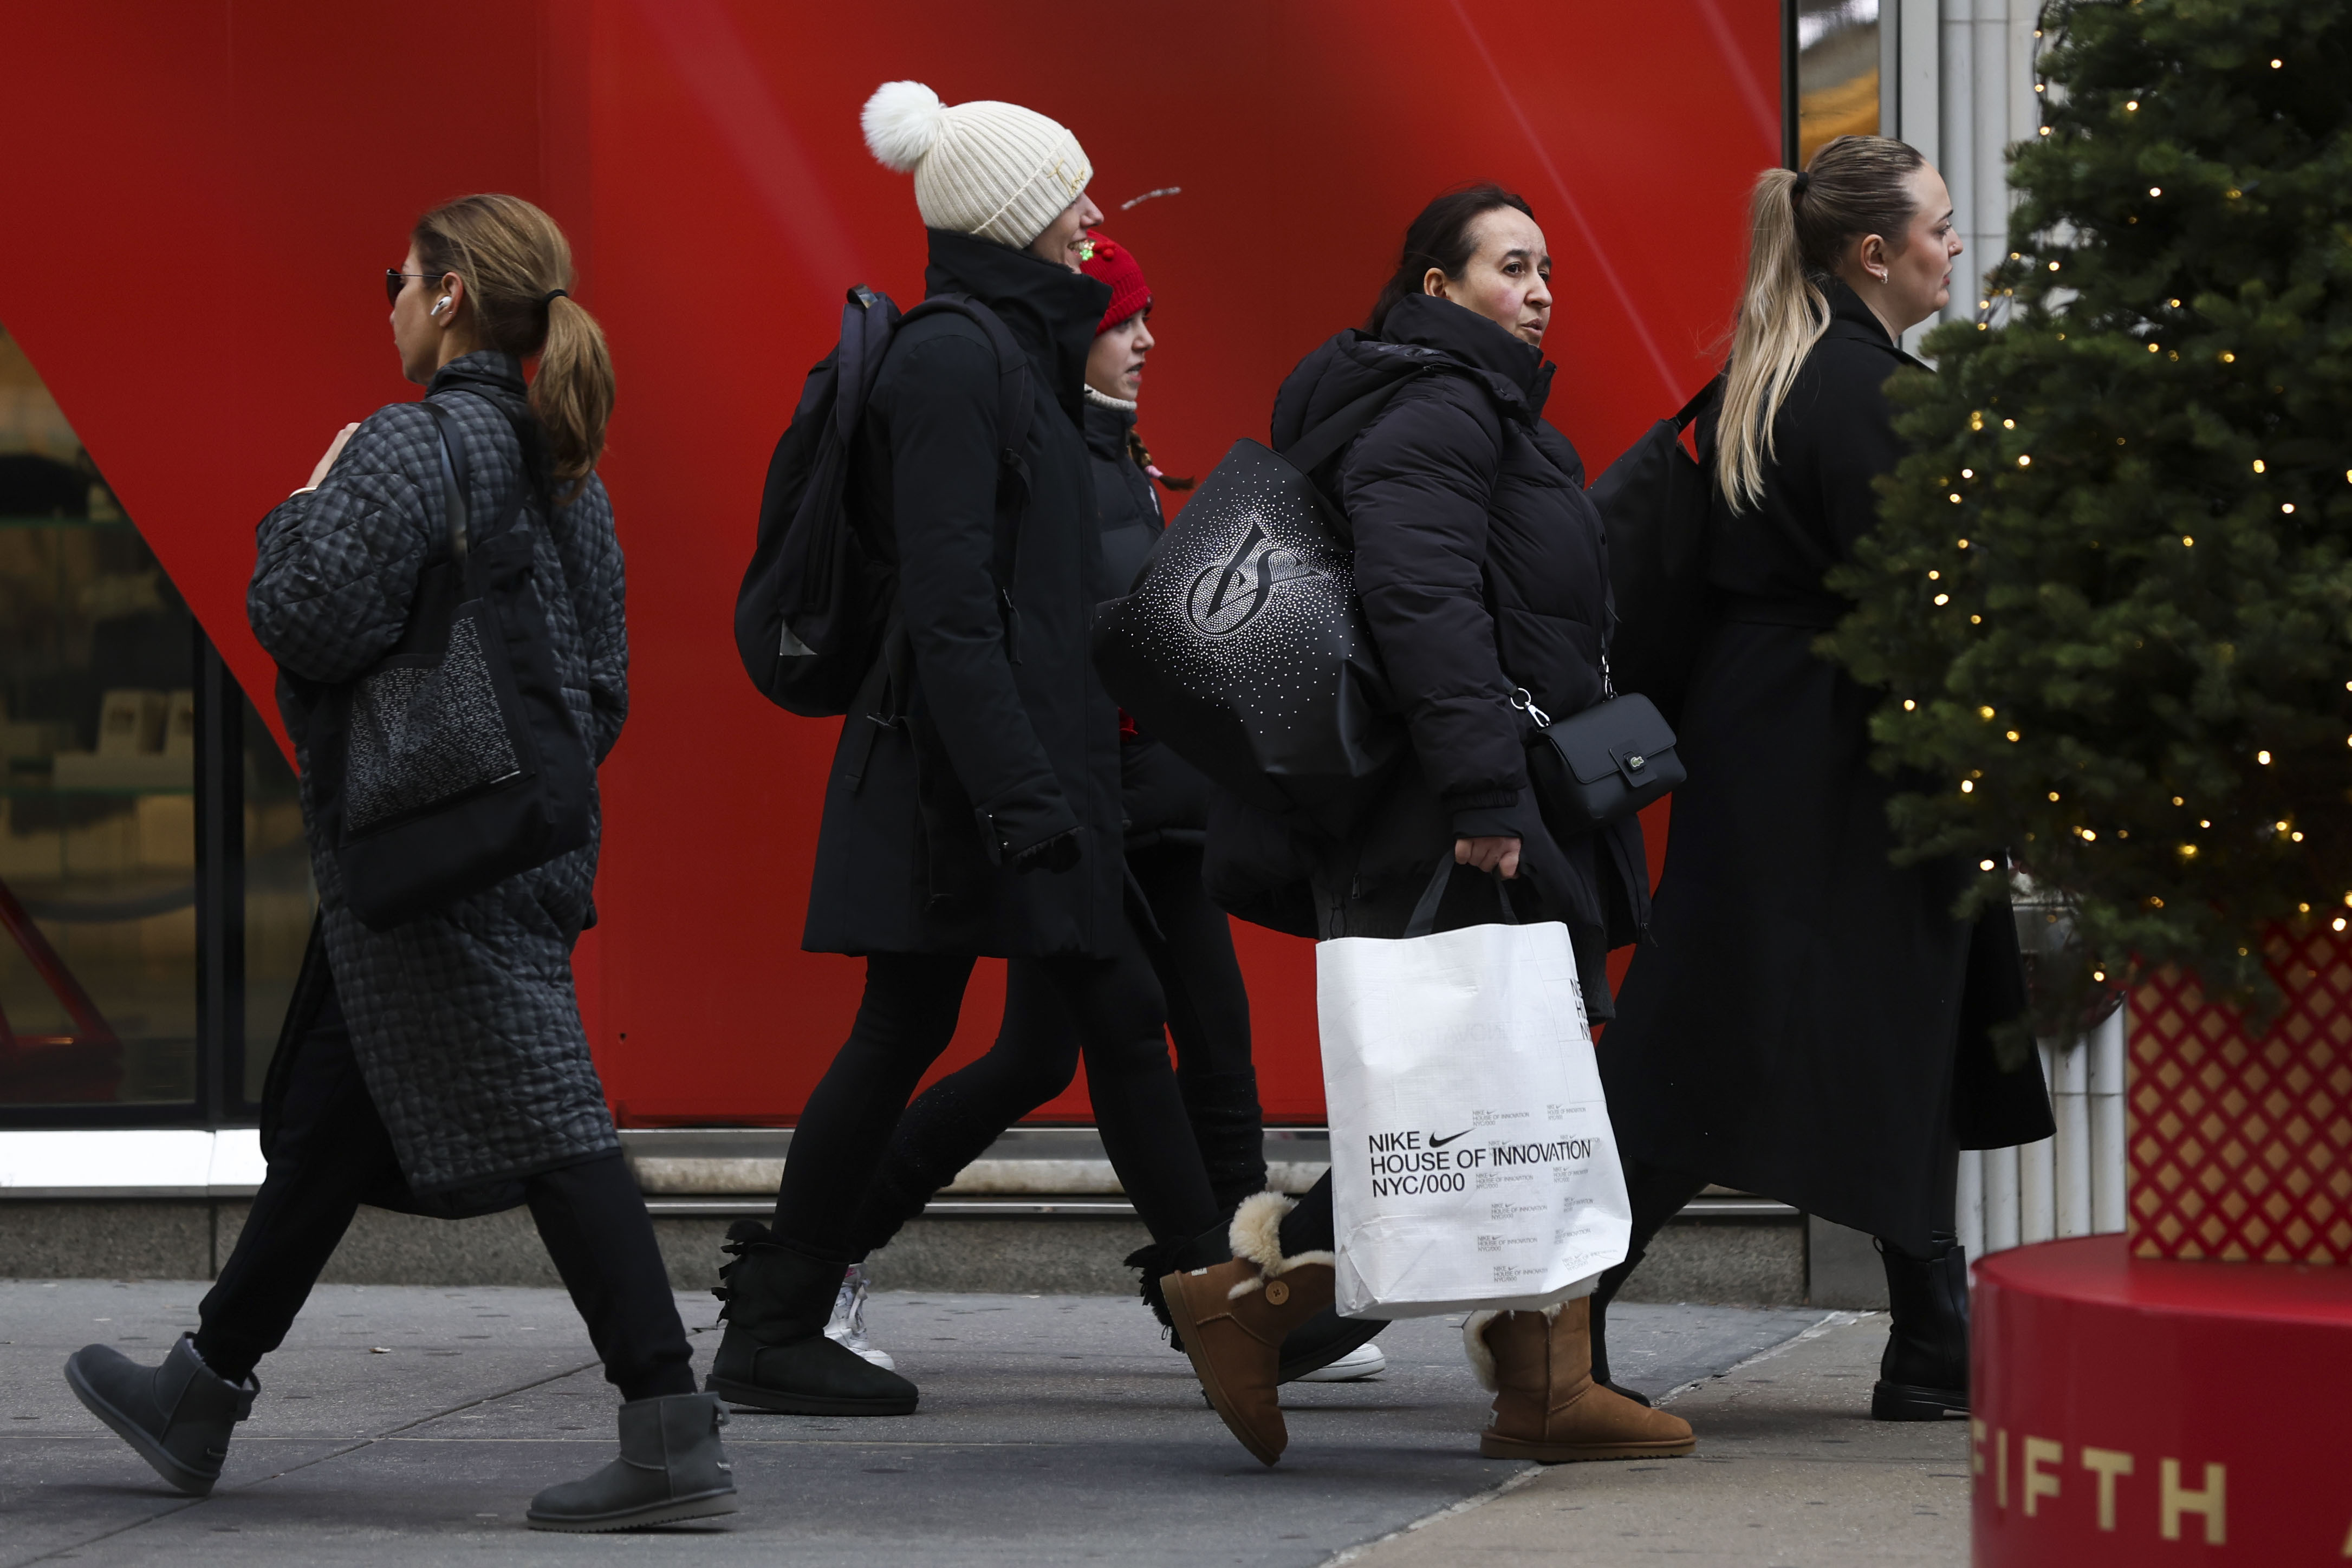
[1437, 1142]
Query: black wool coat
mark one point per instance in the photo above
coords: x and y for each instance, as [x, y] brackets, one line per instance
[923, 819]
[1483, 568]
[1166, 799]
[1808, 1020]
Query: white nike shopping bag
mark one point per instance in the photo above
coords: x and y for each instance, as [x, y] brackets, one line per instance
[1472, 1161]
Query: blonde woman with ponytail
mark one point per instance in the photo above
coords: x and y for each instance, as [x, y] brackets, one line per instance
[439, 1067]
[1809, 1022]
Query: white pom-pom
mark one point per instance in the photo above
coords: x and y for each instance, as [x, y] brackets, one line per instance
[902, 122]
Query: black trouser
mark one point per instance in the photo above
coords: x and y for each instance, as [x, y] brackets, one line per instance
[905, 1021]
[332, 1147]
[1191, 948]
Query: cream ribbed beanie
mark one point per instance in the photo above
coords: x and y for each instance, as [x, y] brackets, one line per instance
[992, 170]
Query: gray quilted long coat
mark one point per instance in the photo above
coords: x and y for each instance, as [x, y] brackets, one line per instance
[465, 1022]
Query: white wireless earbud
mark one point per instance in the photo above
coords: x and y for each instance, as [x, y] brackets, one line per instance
[439, 306]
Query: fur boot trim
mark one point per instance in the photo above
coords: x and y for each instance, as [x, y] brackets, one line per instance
[1474, 1343]
[1256, 1235]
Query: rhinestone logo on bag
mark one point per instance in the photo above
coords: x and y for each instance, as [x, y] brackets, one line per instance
[1229, 594]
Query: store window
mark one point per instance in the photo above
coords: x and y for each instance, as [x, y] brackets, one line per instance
[1837, 71]
[155, 894]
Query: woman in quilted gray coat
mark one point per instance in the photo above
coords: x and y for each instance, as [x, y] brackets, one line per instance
[439, 1066]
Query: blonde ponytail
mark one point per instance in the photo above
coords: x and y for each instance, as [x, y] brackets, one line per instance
[1799, 226]
[517, 267]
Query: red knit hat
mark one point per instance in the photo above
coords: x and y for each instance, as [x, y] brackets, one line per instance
[1116, 265]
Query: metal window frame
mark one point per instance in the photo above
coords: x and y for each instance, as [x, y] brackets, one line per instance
[218, 1100]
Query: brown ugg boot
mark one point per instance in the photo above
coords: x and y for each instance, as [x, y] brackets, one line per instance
[1547, 1406]
[1233, 1317]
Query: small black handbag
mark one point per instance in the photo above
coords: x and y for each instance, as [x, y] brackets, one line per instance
[1608, 762]
[454, 762]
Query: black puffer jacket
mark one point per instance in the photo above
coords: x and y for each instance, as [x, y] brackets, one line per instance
[1166, 799]
[924, 819]
[1483, 568]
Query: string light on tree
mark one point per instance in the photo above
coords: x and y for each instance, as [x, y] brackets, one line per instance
[2152, 580]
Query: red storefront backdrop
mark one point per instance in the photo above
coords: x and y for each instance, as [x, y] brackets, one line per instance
[199, 202]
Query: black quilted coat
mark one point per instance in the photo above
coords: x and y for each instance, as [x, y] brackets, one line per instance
[1811, 1022]
[924, 819]
[465, 1023]
[1483, 568]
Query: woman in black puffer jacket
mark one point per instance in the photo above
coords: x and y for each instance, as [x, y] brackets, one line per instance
[1483, 570]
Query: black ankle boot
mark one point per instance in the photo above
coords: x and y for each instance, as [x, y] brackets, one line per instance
[1602, 1294]
[1924, 1372]
[774, 1354]
[178, 1416]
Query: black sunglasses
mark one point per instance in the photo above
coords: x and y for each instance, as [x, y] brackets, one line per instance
[395, 280]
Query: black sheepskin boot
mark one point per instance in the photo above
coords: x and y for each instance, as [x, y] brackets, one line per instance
[774, 1354]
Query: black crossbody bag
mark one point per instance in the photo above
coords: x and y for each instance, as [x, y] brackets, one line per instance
[454, 762]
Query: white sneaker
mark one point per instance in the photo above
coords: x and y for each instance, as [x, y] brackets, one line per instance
[1364, 1361]
[847, 1328]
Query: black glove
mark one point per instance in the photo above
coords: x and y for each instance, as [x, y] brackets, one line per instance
[1058, 854]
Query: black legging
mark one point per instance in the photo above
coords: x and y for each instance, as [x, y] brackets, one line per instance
[904, 1023]
[332, 1147]
[1035, 1055]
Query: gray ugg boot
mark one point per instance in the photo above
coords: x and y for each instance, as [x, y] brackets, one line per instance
[177, 1415]
[672, 1467]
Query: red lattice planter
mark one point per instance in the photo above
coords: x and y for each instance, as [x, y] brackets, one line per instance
[2125, 1387]
[2241, 1146]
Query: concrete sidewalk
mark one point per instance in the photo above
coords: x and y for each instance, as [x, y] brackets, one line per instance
[1789, 1470]
[411, 1425]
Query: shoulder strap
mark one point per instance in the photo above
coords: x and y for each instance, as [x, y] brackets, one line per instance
[1014, 410]
[1697, 404]
[1320, 443]
[455, 474]
[867, 318]
[1014, 403]
[453, 437]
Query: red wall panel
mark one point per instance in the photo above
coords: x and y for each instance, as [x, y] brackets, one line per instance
[193, 250]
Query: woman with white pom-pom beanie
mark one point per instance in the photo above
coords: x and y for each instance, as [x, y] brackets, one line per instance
[986, 819]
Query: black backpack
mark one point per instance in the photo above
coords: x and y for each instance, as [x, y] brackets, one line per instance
[1654, 501]
[816, 609]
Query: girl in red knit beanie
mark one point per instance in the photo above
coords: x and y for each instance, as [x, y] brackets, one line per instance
[1115, 365]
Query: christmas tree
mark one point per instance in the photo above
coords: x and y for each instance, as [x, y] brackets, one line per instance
[2110, 601]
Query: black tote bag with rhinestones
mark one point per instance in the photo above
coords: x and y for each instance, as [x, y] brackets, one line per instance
[1243, 646]
[454, 762]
